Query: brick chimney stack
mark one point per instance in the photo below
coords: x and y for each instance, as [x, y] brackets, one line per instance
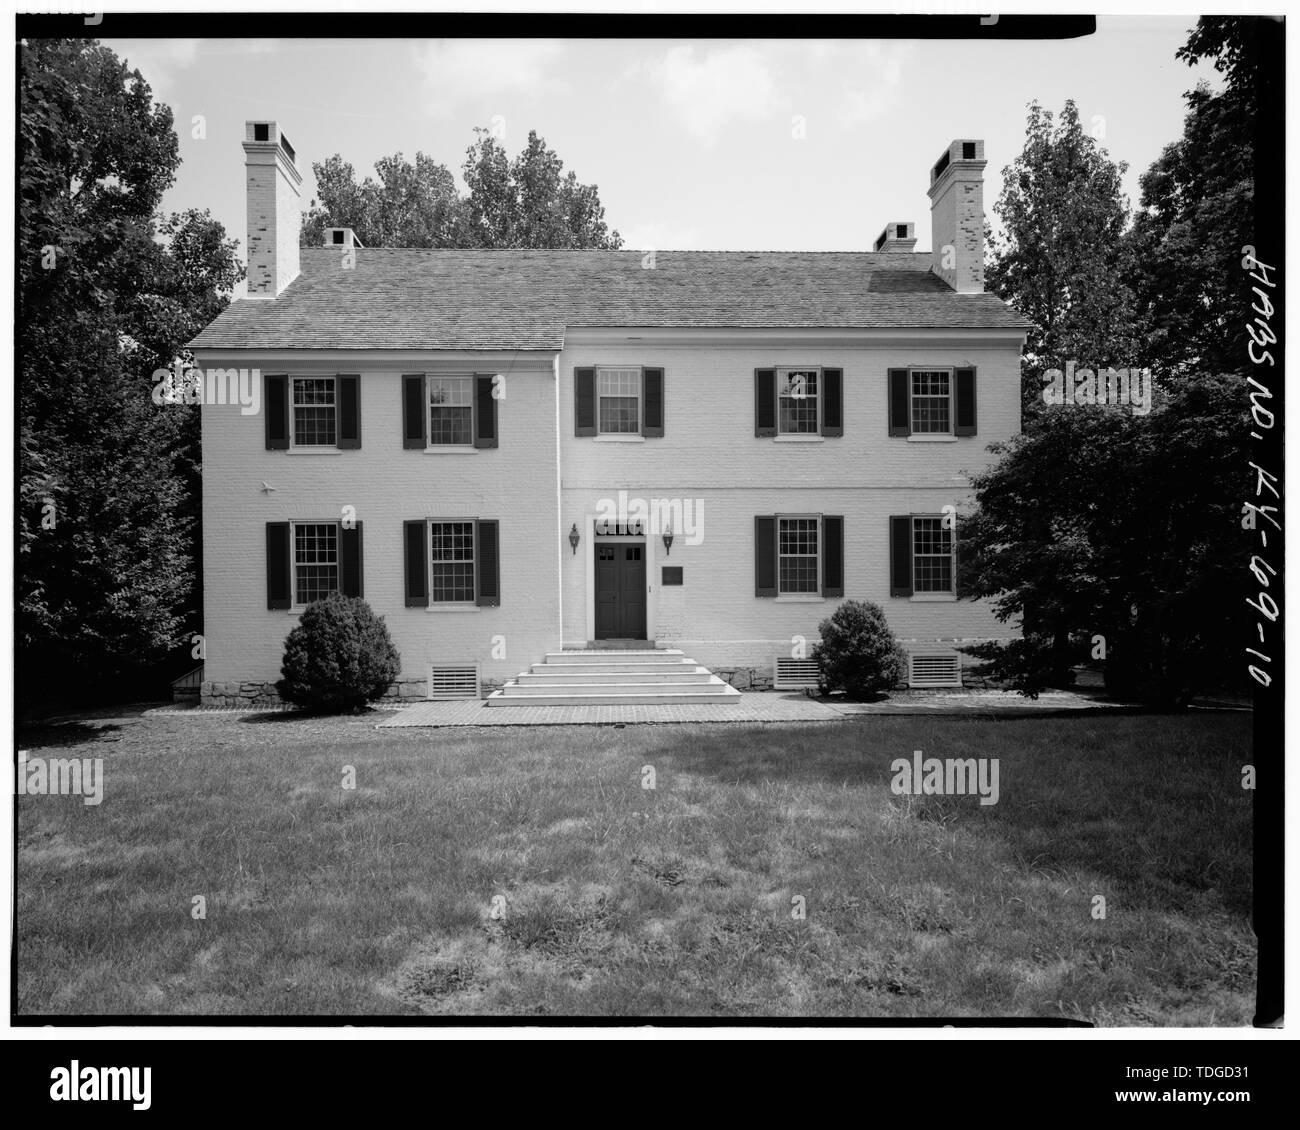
[957, 216]
[274, 209]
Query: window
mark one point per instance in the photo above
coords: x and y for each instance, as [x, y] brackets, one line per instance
[315, 561]
[931, 401]
[618, 392]
[314, 412]
[451, 580]
[451, 410]
[797, 560]
[797, 397]
[932, 556]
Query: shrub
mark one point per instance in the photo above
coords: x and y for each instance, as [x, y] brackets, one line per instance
[858, 654]
[339, 657]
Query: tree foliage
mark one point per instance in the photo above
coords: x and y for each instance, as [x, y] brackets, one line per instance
[108, 493]
[339, 657]
[1102, 523]
[1062, 259]
[1197, 212]
[529, 201]
[857, 652]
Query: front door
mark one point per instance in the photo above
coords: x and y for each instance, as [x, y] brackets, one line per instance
[620, 591]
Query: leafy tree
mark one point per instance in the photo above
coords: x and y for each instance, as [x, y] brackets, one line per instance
[107, 479]
[527, 202]
[1103, 523]
[1197, 212]
[1062, 260]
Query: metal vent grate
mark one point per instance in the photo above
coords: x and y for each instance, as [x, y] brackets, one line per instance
[795, 674]
[938, 669]
[453, 682]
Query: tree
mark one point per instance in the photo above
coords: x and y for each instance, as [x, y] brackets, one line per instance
[1062, 260]
[1197, 212]
[1111, 532]
[527, 202]
[107, 479]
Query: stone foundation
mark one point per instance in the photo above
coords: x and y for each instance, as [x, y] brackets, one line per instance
[249, 695]
[746, 678]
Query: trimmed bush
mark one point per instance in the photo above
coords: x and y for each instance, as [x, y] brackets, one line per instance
[339, 657]
[858, 654]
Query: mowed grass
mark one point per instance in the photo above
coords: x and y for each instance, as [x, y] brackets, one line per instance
[527, 872]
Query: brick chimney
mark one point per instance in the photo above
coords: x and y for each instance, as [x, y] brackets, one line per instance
[274, 209]
[957, 216]
[898, 236]
[342, 238]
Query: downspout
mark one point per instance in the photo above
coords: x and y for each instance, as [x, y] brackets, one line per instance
[560, 537]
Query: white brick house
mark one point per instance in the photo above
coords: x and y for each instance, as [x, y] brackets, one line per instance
[448, 433]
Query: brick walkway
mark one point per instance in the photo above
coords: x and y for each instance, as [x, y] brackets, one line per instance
[750, 708]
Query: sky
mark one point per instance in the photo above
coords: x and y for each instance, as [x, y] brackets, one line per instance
[712, 144]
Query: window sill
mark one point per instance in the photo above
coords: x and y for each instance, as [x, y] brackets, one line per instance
[798, 439]
[453, 608]
[801, 598]
[314, 451]
[932, 439]
[451, 449]
[933, 597]
[613, 437]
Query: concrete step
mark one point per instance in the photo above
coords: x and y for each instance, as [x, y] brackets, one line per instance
[710, 685]
[654, 655]
[618, 670]
[630, 695]
[563, 676]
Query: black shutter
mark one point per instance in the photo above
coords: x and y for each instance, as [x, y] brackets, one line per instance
[350, 557]
[487, 552]
[485, 413]
[279, 589]
[832, 402]
[584, 402]
[900, 405]
[652, 397]
[900, 555]
[349, 389]
[415, 411]
[965, 422]
[415, 555]
[832, 555]
[765, 402]
[765, 555]
[275, 394]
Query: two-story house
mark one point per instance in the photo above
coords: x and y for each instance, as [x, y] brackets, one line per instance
[514, 453]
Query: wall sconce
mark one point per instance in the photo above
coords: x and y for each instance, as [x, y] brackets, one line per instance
[574, 537]
[668, 541]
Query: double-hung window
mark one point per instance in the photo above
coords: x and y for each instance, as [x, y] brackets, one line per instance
[451, 411]
[315, 561]
[931, 401]
[315, 412]
[932, 556]
[451, 570]
[618, 394]
[798, 395]
[798, 556]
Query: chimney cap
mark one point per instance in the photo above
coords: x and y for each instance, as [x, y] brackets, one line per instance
[342, 237]
[901, 232]
[964, 151]
[268, 135]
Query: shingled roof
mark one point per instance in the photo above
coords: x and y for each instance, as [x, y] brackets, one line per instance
[423, 299]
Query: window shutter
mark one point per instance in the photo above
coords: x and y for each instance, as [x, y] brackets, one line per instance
[965, 421]
[279, 589]
[275, 394]
[485, 413]
[900, 403]
[584, 402]
[415, 411]
[900, 555]
[765, 402]
[487, 553]
[415, 536]
[350, 558]
[832, 555]
[765, 555]
[349, 412]
[832, 402]
[652, 398]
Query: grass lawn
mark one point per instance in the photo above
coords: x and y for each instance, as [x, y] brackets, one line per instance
[619, 900]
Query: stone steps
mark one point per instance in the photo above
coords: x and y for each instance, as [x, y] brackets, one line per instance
[662, 676]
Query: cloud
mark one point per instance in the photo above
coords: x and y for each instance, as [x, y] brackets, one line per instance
[457, 70]
[710, 92]
[160, 61]
[879, 69]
